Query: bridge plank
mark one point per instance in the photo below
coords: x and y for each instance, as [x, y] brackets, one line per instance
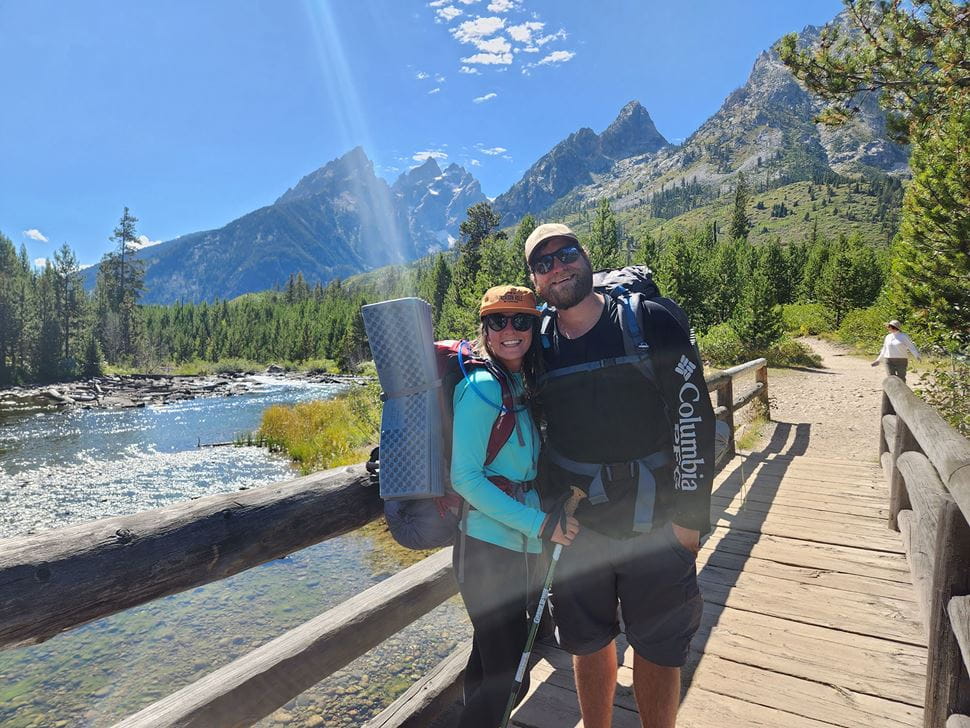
[860, 663]
[958, 610]
[831, 558]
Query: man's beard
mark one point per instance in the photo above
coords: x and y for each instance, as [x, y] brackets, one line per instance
[568, 294]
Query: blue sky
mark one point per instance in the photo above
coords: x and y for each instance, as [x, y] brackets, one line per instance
[193, 113]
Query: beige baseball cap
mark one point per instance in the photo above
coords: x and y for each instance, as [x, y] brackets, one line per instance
[542, 233]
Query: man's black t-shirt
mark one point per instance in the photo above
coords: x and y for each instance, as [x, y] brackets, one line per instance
[614, 415]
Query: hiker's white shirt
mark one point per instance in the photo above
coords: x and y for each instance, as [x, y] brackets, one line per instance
[895, 344]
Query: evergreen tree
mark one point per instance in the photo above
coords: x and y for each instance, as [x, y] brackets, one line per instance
[772, 262]
[681, 276]
[121, 277]
[724, 277]
[70, 296]
[603, 243]
[914, 55]
[480, 222]
[93, 361]
[758, 322]
[740, 222]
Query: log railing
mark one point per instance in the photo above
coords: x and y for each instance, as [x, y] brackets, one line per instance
[927, 468]
[60, 579]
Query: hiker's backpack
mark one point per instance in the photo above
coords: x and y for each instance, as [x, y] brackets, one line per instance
[428, 523]
[635, 292]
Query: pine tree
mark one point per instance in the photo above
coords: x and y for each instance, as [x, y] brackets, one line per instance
[740, 222]
[603, 242]
[914, 55]
[93, 362]
[681, 276]
[758, 322]
[70, 299]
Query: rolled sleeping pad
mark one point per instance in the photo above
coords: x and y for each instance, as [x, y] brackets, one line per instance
[412, 449]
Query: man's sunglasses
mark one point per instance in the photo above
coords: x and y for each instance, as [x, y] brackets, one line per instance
[543, 263]
[498, 321]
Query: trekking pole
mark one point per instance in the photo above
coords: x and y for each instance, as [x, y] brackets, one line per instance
[569, 508]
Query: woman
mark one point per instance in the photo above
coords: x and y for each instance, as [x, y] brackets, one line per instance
[501, 530]
[894, 348]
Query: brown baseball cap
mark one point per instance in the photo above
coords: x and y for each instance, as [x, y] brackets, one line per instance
[542, 233]
[508, 299]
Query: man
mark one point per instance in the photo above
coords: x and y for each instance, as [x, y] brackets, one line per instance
[894, 348]
[641, 446]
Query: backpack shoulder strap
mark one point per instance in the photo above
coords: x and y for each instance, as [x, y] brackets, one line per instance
[504, 424]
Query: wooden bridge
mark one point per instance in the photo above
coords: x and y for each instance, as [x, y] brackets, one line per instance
[836, 590]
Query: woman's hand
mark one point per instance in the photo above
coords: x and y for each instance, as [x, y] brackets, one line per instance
[566, 536]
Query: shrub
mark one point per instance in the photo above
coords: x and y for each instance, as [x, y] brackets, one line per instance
[324, 434]
[721, 346]
[790, 353]
[325, 366]
[864, 328]
[804, 319]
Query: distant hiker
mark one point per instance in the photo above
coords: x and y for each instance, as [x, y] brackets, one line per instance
[501, 532]
[629, 421]
[894, 348]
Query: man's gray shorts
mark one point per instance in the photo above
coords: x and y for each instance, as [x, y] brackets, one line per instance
[652, 578]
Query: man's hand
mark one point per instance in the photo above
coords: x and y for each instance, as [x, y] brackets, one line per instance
[688, 537]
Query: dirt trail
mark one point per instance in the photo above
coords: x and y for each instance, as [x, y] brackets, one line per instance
[828, 412]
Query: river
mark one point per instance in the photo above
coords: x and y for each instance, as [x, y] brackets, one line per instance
[60, 468]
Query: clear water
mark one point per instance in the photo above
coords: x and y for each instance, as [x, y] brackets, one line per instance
[59, 468]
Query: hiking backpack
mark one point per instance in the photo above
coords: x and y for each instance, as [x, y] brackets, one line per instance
[635, 292]
[428, 523]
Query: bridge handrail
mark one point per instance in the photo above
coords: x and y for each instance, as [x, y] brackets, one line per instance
[927, 467]
[66, 577]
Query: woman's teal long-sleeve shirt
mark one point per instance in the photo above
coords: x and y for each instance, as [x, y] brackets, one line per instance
[495, 517]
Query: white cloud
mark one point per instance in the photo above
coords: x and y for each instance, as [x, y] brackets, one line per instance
[470, 69]
[488, 59]
[558, 35]
[35, 234]
[522, 33]
[478, 29]
[494, 45]
[40, 262]
[494, 151]
[82, 266]
[434, 90]
[448, 14]
[483, 99]
[468, 2]
[474, 163]
[429, 154]
[501, 6]
[556, 57]
[421, 75]
[438, 3]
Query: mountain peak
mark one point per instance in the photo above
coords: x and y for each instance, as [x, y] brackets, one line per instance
[631, 133]
[354, 165]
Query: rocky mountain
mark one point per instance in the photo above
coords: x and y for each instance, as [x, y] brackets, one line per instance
[337, 221]
[436, 201]
[764, 129]
[578, 160]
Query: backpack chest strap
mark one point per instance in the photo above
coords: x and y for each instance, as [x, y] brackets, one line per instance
[646, 483]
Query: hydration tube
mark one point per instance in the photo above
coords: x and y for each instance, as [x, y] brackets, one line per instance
[464, 372]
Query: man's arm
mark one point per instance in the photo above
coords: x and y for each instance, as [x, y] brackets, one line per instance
[681, 378]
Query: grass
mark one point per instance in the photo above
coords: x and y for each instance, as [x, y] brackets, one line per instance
[752, 432]
[323, 434]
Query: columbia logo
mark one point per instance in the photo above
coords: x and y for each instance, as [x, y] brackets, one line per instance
[685, 367]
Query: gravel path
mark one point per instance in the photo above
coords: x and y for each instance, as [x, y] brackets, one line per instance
[829, 412]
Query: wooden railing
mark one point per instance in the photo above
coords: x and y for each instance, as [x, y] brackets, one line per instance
[927, 467]
[66, 577]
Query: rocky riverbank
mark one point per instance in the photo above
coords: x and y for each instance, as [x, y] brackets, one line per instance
[141, 390]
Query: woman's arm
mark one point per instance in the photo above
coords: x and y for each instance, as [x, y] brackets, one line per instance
[473, 419]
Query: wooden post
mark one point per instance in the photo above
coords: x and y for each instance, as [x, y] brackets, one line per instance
[725, 398]
[946, 687]
[886, 409]
[898, 497]
[761, 376]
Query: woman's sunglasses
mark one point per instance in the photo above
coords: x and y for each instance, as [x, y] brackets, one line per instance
[498, 321]
[543, 264]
